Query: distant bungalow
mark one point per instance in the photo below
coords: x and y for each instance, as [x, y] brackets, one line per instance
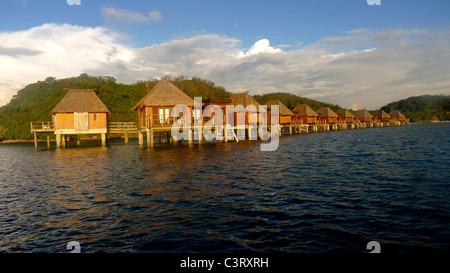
[382, 116]
[327, 115]
[345, 116]
[397, 116]
[247, 116]
[434, 118]
[219, 117]
[303, 114]
[363, 116]
[285, 115]
[80, 112]
[244, 99]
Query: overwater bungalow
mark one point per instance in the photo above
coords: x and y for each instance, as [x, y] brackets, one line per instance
[219, 117]
[155, 108]
[381, 116]
[345, 116]
[363, 116]
[303, 114]
[249, 115]
[397, 116]
[247, 101]
[80, 112]
[284, 114]
[327, 115]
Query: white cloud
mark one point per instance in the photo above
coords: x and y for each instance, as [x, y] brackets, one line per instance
[155, 16]
[363, 68]
[55, 50]
[261, 46]
[129, 16]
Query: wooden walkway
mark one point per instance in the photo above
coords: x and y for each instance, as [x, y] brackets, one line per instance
[163, 133]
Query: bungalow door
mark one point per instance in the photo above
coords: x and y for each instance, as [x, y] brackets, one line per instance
[81, 121]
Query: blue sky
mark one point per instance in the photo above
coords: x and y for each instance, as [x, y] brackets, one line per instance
[345, 52]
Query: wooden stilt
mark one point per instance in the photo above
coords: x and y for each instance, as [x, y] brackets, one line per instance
[35, 140]
[58, 140]
[104, 141]
[190, 137]
[141, 139]
[150, 138]
[48, 140]
[63, 141]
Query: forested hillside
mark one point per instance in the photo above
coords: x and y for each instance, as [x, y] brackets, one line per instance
[35, 101]
[422, 108]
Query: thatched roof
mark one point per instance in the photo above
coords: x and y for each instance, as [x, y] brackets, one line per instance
[164, 94]
[283, 110]
[303, 110]
[397, 114]
[381, 114]
[80, 100]
[363, 114]
[326, 112]
[344, 113]
[243, 99]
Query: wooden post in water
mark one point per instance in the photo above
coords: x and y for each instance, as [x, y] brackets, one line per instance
[48, 140]
[126, 136]
[150, 138]
[58, 140]
[141, 139]
[35, 140]
[190, 136]
[104, 141]
[225, 134]
[63, 141]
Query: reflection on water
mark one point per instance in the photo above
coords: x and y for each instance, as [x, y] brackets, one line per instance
[323, 192]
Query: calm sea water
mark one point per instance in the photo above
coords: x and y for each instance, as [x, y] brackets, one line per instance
[322, 192]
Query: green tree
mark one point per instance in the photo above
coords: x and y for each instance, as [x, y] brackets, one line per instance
[3, 132]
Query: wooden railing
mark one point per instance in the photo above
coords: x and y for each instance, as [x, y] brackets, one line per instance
[42, 126]
[122, 126]
[167, 122]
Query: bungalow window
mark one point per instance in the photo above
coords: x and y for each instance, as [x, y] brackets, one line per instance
[95, 117]
[164, 115]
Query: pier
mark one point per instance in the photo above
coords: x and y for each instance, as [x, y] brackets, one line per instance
[161, 133]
